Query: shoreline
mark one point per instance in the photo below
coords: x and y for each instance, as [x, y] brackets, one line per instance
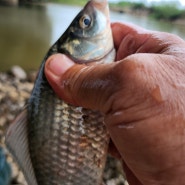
[144, 12]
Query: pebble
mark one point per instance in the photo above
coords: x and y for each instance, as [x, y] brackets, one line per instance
[2, 122]
[18, 72]
[15, 89]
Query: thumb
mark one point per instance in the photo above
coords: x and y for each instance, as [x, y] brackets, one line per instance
[85, 85]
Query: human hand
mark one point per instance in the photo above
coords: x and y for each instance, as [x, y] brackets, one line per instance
[142, 96]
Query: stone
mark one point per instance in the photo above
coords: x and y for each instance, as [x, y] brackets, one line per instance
[18, 72]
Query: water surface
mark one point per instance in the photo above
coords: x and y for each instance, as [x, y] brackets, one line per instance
[27, 32]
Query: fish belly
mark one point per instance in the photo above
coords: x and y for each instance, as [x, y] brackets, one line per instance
[68, 145]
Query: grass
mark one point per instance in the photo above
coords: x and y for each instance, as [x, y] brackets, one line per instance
[71, 2]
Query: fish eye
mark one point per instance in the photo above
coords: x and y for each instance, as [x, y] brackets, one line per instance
[85, 21]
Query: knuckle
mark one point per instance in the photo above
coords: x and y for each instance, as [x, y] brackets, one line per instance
[135, 81]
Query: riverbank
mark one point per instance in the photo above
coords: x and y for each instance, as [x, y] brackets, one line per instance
[146, 13]
[15, 88]
[167, 11]
[162, 12]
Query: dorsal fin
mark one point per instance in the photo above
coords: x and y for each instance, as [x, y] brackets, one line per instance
[17, 143]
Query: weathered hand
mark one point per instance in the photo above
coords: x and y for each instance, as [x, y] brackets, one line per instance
[142, 96]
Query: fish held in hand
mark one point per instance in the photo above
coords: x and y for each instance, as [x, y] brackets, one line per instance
[56, 143]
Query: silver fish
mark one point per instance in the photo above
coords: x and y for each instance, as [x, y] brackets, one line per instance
[56, 143]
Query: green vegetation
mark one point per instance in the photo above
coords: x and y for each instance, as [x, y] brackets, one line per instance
[167, 12]
[130, 5]
[163, 11]
[71, 2]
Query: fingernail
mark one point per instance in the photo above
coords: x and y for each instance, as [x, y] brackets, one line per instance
[59, 64]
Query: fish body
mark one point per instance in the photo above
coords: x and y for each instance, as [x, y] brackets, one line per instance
[56, 143]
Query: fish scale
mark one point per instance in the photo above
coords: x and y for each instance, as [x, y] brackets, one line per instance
[56, 143]
[76, 143]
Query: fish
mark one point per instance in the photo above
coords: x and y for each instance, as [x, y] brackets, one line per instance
[56, 143]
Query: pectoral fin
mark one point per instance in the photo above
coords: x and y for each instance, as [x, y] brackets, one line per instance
[17, 142]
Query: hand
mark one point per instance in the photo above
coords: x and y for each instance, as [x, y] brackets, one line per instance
[142, 96]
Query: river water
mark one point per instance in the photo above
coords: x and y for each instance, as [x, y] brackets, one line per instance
[27, 32]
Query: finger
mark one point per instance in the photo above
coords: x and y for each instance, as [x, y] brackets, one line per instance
[131, 178]
[129, 39]
[120, 30]
[82, 85]
[113, 151]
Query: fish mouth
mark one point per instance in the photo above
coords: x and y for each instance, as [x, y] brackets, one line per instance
[101, 5]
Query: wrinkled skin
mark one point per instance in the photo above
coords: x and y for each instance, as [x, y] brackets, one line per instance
[142, 96]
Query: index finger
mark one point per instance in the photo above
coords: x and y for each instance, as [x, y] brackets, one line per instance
[130, 39]
[120, 30]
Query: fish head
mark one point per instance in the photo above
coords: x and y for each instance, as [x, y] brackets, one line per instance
[89, 36]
